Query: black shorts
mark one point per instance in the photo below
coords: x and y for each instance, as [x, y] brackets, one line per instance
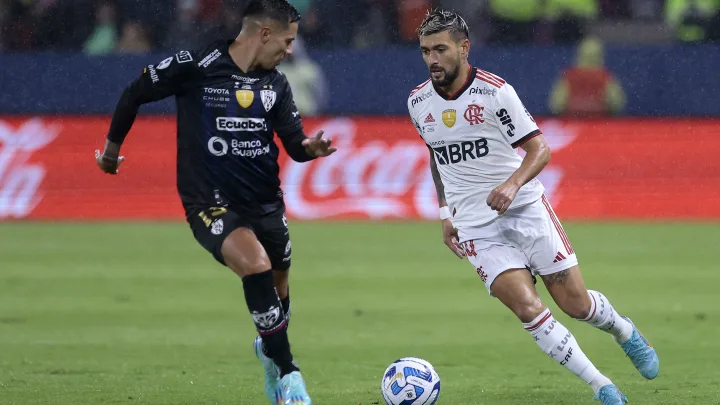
[212, 225]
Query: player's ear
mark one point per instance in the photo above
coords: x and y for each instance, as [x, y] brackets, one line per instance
[265, 33]
[465, 47]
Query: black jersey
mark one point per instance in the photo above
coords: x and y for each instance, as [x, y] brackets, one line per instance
[226, 118]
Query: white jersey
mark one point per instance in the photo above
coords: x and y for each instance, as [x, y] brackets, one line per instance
[474, 135]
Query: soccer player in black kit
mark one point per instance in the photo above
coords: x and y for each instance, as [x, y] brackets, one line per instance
[230, 100]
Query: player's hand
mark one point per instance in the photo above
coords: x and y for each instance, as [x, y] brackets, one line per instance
[108, 162]
[450, 236]
[318, 147]
[502, 196]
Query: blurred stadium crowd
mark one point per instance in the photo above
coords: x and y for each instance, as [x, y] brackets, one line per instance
[139, 26]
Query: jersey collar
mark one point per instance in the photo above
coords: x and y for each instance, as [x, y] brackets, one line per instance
[468, 83]
[257, 73]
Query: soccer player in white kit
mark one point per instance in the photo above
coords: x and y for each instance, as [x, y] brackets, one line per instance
[492, 207]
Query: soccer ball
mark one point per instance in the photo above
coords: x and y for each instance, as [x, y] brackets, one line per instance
[410, 381]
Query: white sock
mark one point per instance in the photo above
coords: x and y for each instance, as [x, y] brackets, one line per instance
[604, 317]
[557, 342]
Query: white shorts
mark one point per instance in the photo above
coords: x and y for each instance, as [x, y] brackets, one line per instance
[529, 237]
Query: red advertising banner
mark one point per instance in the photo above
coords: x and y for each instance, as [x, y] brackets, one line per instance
[617, 169]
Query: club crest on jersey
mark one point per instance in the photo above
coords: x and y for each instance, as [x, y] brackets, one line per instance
[245, 97]
[449, 117]
[474, 114]
[268, 99]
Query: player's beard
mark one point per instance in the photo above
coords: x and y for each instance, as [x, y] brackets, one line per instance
[448, 77]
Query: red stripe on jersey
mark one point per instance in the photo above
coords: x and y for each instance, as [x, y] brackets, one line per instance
[562, 256]
[558, 227]
[539, 323]
[416, 89]
[497, 78]
[496, 84]
[490, 79]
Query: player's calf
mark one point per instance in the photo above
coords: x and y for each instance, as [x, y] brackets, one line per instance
[603, 316]
[283, 290]
[568, 291]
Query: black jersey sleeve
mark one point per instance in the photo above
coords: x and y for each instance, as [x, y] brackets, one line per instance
[288, 124]
[173, 75]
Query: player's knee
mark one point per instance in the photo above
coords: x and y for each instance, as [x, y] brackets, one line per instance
[258, 266]
[527, 311]
[246, 266]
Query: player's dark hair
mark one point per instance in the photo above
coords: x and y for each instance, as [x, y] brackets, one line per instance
[440, 20]
[278, 10]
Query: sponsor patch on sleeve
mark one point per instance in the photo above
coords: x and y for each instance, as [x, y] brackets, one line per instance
[183, 57]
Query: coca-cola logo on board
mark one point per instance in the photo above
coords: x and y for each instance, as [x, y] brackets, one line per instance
[20, 180]
[373, 179]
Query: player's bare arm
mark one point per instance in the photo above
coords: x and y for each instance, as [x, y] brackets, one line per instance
[536, 158]
[450, 235]
[439, 188]
[317, 146]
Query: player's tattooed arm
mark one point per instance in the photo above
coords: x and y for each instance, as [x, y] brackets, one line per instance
[450, 234]
[439, 188]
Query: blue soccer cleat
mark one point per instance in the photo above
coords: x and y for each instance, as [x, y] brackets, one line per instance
[292, 391]
[272, 374]
[641, 353]
[610, 395]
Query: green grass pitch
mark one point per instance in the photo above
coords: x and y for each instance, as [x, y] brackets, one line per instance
[139, 313]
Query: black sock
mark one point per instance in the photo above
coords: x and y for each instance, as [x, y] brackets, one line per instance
[286, 306]
[267, 312]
